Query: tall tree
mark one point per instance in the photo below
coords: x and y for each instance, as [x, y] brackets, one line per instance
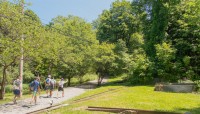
[117, 23]
[103, 60]
[76, 51]
[13, 25]
[183, 31]
[11, 29]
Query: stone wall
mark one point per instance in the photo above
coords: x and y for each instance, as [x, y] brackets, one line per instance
[176, 87]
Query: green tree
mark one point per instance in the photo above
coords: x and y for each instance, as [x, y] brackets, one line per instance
[14, 25]
[32, 16]
[117, 23]
[183, 32]
[123, 59]
[103, 60]
[76, 51]
[166, 56]
[139, 66]
[11, 29]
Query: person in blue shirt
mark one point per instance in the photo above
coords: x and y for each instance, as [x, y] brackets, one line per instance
[36, 88]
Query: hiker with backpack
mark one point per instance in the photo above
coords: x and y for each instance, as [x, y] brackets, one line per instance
[16, 90]
[35, 87]
[49, 86]
[52, 86]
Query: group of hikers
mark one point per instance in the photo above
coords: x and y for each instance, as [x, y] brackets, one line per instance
[50, 84]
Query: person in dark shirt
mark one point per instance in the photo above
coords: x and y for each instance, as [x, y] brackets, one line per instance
[36, 88]
[48, 86]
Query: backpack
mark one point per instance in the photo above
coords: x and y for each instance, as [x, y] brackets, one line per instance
[48, 81]
[31, 85]
[17, 82]
[52, 82]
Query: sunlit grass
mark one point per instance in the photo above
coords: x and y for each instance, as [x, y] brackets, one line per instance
[137, 97]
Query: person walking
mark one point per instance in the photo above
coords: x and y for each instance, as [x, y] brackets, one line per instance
[53, 82]
[52, 86]
[48, 85]
[36, 88]
[61, 87]
[16, 90]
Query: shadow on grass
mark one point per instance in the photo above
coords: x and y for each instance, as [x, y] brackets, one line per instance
[125, 83]
[92, 85]
[189, 111]
[87, 85]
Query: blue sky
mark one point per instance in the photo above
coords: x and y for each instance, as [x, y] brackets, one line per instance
[86, 9]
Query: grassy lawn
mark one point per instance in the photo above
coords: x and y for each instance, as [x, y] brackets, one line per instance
[137, 97]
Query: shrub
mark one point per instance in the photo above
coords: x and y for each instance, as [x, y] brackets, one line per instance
[140, 69]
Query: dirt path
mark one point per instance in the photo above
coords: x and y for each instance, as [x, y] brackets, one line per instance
[24, 106]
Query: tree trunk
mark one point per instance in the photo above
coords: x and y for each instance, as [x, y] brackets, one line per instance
[50, 68]
[80, 79]
[21, 73]
[100, 79]
[98, 82]
[2, 90]
[69, 81]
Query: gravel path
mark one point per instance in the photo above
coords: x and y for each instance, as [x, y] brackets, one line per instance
[24, 106]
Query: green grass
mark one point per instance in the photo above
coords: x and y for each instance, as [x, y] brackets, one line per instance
[8, 97]
[137, 97]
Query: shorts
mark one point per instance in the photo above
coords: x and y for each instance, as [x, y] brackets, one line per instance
[16, 91]
[60, 89]
[49, 88]
[34, 93]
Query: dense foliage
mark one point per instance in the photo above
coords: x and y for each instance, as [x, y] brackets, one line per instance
[162, 38]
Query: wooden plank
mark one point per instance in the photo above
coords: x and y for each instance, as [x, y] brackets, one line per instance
[127, 110]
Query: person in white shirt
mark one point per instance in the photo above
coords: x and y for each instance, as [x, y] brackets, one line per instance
[52, 86]
[61, 87]
[16, 90]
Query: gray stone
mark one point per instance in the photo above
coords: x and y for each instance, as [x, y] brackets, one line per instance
[176, 87]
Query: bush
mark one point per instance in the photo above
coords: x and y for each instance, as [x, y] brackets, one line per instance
[9, 88]
[26, 89]
[198, 85]
[140, 69]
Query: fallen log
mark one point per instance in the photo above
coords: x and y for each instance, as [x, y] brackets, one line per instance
[127, 111]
